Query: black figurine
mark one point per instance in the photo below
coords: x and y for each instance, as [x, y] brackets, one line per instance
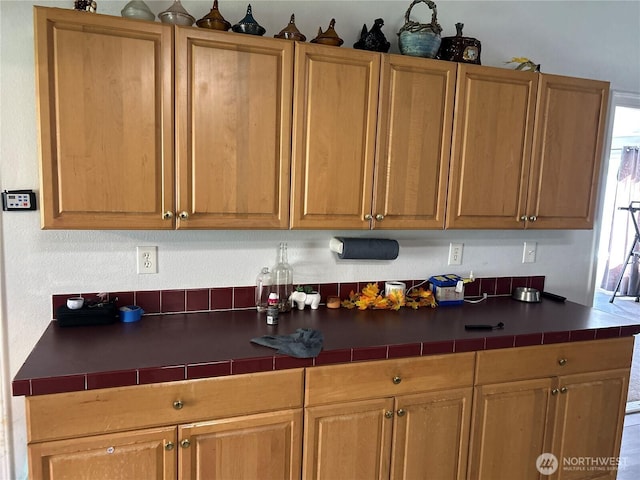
[374, 40]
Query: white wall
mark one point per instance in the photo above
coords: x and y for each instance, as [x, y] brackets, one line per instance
[597, 40]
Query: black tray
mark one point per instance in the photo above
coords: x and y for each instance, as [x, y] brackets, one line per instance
[98, 315]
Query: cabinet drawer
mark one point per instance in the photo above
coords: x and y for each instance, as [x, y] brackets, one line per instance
[495, 366]
[359, 381]
[65, 415]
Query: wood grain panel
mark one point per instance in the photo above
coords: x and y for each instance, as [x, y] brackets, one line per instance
[127, 455]
[589, 419]
[414, 142]
[265, 446]
[335, 117]
[567, 153]
[544, 360]
[234, 101]
[348, 440]
[491, 147]
[358, 381]
[105, 105]
[431, 437]
[509, 429]
[66, 415]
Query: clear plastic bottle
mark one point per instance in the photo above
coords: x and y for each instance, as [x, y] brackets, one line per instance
[283, 279]
[264, 283]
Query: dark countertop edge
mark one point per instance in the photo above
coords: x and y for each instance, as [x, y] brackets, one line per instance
[31, 386]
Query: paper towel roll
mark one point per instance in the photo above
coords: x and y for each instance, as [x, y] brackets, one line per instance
[364, 248]
[394, 287]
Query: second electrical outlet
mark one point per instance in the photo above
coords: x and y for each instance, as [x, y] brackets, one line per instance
[147, 259]
[455, 253]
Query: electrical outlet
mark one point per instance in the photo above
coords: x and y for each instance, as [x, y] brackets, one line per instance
[455, 253]
[147, 259]
[529, 252]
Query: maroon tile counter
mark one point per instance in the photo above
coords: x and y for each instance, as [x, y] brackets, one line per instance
[163, 348]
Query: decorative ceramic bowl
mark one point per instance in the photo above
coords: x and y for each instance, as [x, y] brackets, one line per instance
[137, 9]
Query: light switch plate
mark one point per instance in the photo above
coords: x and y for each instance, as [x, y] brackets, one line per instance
[529, 252]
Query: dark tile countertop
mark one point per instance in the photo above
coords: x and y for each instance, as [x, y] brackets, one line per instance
[163, 348]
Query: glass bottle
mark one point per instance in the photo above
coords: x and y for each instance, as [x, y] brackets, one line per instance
[264, 283]
[283, 279]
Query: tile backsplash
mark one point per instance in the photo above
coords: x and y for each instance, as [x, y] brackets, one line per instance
[236, 298]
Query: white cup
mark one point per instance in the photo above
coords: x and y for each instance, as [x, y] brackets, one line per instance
[75, 303]
[394, 287]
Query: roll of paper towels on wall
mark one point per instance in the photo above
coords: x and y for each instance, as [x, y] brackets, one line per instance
[365, 248]
[394, 287]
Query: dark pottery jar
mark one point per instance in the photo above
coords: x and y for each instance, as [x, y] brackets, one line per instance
[373, 40]
[459, 48]
[291, 32]
[214, 20]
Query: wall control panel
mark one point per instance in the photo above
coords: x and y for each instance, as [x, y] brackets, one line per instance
[18, 200]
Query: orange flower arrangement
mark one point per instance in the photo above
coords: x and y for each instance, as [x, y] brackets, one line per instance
[371, 298]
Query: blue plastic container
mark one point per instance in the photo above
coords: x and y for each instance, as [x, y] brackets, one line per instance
[130, 313]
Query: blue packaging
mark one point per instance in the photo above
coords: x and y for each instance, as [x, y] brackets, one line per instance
[444, 289]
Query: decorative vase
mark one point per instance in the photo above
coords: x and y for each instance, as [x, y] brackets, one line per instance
[214, 20]
[291, 32]
[374, 40]
[459, 48]
[330, 37]
[137, 9]
[420, 39]
[249, 25]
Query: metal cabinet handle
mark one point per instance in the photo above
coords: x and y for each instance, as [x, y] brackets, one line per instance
[388, 414]
[379, 217]
[555, 391]
[563, 390]
[533, 218]
[401, 412]
[562, 362]
[396, 380]
[185, 443]
[178, 404]
[167, 215]
[523, 218]
[183, 215]
[169, 446]
[368, 217]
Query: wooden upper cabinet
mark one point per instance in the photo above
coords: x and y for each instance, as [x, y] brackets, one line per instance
[233, 122]
[414, 141]
[491, 147]
[567, 152]
[105, 106]
[335, 116]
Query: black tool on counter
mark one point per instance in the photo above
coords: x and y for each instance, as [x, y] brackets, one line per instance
[499, 326]
[554, 297]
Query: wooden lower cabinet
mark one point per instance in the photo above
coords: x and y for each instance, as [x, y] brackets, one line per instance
[240, 427]
[409, 437]
[263, 446]
[127, 455]
[577, 417]
[400, 419]
[478, 416]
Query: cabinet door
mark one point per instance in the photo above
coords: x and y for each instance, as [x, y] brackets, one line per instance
[431, 435]
[147, 454]
[414, 142]
[335, 116]
[233, 102]
[588, 423]
[509, 429]
[264, 446]
[105, 107]
[348, 440]
[491, 147]
[567, 152]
